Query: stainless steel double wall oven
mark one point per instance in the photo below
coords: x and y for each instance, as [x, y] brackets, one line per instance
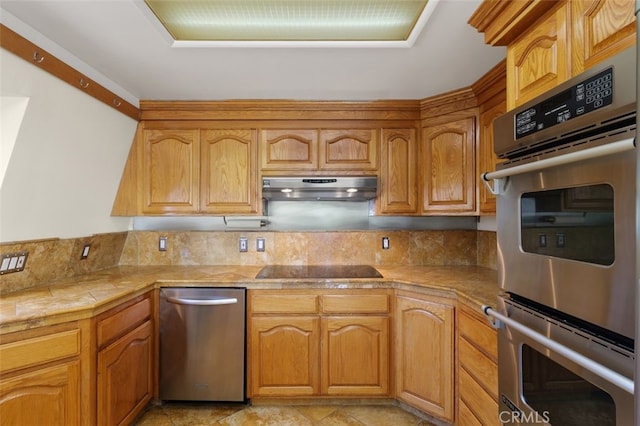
[567, 251]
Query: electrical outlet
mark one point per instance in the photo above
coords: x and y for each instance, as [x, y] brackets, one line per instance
[243, 244]
[260, 244]
[85, 251]
[162, 244]
[385, 243]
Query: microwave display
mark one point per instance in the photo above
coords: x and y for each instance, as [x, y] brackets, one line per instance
[574, 223]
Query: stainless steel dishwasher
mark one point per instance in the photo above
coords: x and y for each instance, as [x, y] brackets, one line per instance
[202, 344]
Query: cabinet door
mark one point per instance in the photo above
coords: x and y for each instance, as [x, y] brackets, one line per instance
[170, 171]
[355, 355]
[539, 60]
[125, 377]
[47, 396]
[228, 182]
[345, 149]
[487, 159]
[289, 149]
[425, 355]
[398, 183]
[600, 29]
[448, 167]
[285, 356]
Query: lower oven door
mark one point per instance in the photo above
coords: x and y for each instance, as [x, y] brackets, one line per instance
[540, 384]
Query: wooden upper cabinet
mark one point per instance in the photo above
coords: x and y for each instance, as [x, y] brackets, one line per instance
[540, 59]
[289, 149]
[551, 41]
[349, 149]
[170, 171]
[601, 28]
[398, 182]
[228, 180]
[448, 165]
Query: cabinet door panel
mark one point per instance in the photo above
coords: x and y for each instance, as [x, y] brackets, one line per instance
[285, 356]
[349, 149]
[539, 60]
[228, 183]
[289, 149]
[425, 356]
[170, 173]
[601, 28]
[48, 396]
[125, 376]
[355, 355]
[398, 186]
[448, 158]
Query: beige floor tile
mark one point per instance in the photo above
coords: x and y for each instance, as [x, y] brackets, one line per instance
[381, 416]
[263, 416]
[198, 414]
[317, 412]
[154, 416]
[340, 418]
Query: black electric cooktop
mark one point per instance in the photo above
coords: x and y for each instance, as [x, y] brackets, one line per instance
[318, 271]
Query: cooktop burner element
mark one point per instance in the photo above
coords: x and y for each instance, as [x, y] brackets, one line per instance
[318, 271]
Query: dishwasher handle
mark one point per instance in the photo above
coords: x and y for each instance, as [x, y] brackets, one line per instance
[202, 302]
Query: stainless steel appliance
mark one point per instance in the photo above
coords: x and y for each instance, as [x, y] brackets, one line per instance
[320, 188]
[202, 344]
[566, 218]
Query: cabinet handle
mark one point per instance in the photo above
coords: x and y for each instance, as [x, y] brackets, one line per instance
[37, 58]
[202, 302]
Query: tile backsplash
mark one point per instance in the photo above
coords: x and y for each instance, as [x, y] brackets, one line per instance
[54, 259]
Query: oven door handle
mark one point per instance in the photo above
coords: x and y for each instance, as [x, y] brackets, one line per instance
[585, 154]
[598, 369]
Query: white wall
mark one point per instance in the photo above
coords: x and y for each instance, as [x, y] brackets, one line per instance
[67, 160]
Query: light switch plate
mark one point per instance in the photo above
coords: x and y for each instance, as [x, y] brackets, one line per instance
[85, 251]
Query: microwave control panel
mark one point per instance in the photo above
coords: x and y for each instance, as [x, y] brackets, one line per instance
[582, 98]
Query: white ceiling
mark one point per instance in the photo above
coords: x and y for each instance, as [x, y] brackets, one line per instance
[117, 44]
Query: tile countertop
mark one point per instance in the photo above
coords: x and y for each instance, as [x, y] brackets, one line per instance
[88, 295]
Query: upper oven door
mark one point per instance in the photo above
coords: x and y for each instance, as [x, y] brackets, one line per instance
[566, 236]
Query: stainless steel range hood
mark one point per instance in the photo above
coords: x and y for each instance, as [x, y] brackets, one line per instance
[320, 188]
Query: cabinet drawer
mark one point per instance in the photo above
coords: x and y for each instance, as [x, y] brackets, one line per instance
[284, 303]
[479, 366]
[481, 334]
[466, 417]
[355, 303]
[38, 350]
[119, 323]
[479, 402]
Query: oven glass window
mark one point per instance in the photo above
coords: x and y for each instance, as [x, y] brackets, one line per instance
[562, 397]
[571, 223]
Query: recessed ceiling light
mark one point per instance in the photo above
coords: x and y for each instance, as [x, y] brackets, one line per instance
[198, 22]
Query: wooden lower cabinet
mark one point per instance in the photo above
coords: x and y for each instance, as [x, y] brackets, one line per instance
[124, 362]
[41, 376]
[477, 370]
[424, 344]
[46, 396]
[355, 355]
[319, 343]
[125, 377]
[285, 356]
